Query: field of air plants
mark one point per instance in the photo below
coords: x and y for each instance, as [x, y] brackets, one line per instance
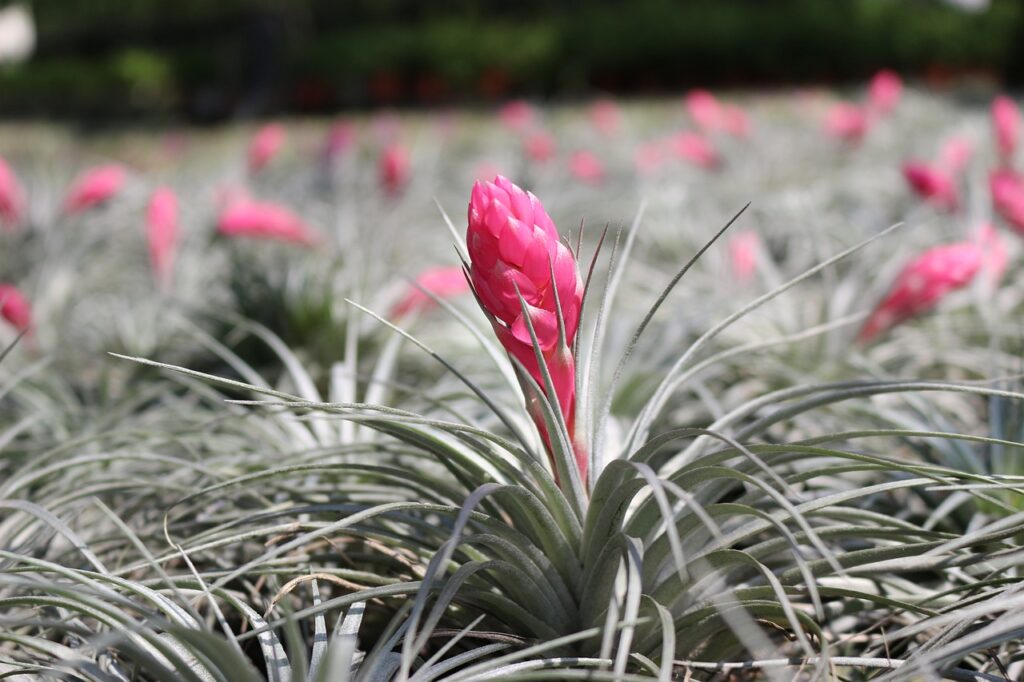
[735, 393]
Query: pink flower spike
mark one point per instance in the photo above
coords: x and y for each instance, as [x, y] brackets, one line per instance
[1006, 123]
[540, 146]
[162, 233]
[517, 115]
[586, 167]
[340, 139]
[704, 109]
[15, 308]
[1007, 190]
[847, 122]
[956, 154]
[995, 257]
[694, 148]
[393, 168]
[605, 116]
[515, 251]
[885, 91]
[12, 197]
[924, 282]
[932, 184]
[265, 145]
[95, 186]
[744, 253]
[243, 217]
[735, 121]
[649, 156]
[444, 282]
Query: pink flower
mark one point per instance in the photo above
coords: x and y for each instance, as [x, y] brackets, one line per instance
[932, 184]
[244, 217]
[443, 282]
[1007, 190]
[694, 148]
[923, 283]
[996, 257]
[15, 308]
[735, 121]
[704, 109]
[649, 156]
[340, 138]
[394, 168]
[585, 166]
[265, 145]
[744, 251]
[956, 154]
[845, 121]
[514, 251]
[162, 232]
[540, 146]
[885, 91]
[517, 115]
[1006, 122]
[605, 116]
[12, 197]
[95, 186]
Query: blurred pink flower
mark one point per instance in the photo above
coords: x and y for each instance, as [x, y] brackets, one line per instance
[12, 197]
[586, 167]
[340, 138]
[704, 109]
[956, 154]
[1007, 190]
[265, 145]
[923, 283]
[933, 184]
[744, 252]
[517, 115]
[162, 232]
[695, 148]
[539, 145]
[443, 282]
[95, 186]
[885, 91]
[245, 217]
[735, 121]
[605, 115]
[15, 308]
[393, 168]
[846, 121]
[649, 156]
[996, 257]
[386, 126]
[515, 251]
[1006, 123]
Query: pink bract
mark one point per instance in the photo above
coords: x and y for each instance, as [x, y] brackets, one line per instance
[442, 282]
[15, 308]
[517, 260]
[924, 282]
[162, 232]
[94, 187]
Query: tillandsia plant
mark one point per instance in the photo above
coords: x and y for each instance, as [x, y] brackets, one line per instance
[529, 286]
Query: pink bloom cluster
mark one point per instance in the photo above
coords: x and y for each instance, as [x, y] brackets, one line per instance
[265, 145]
[245, 217]
[94, 187]
[162, 232]
[15, 308]
[516, 256]
[12, 197]
[442, 282]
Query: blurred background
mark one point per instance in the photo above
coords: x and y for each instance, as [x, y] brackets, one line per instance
[208, 61]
